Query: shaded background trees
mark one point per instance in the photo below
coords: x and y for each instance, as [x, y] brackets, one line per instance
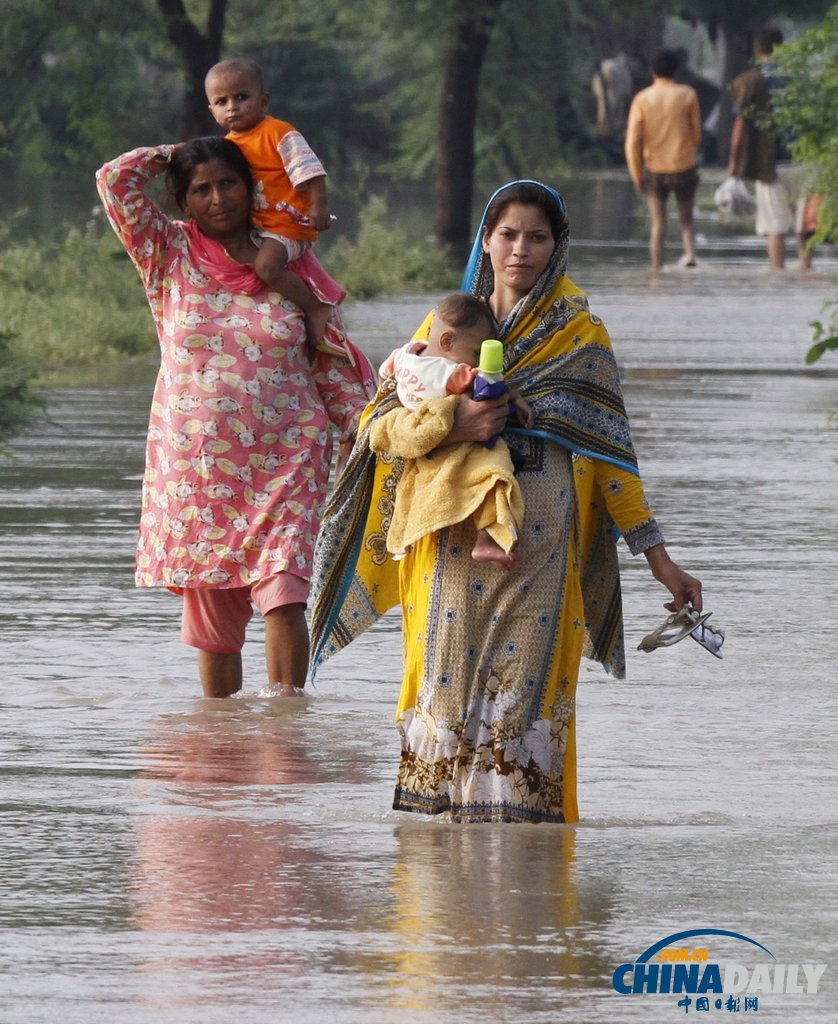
[198, 51]
[731, 26]
[408, 102]
[465, 51]
[423, 91]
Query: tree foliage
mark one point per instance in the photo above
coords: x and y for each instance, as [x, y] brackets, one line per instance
[18, 402]
[732, 24]
[199, 48]
[80, 77]
[465, 53]
[806, 111]
[85, 78]
[75, 302]
[384, 259]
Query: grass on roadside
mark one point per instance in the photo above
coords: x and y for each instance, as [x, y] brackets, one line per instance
[72, 303]
[383, 260]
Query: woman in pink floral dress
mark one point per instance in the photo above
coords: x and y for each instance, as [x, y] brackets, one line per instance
[239, 442]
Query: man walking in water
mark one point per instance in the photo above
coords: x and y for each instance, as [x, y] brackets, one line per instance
[753, 146]
[662, 137]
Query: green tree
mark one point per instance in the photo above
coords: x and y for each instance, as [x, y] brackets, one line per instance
[732, 26]
[807, 112]
[18, 402]
[321, 71]
[518, 86]
[465, 51]
[78, 78]
[198, 51]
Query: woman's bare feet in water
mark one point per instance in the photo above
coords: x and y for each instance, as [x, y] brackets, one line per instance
[487, 550]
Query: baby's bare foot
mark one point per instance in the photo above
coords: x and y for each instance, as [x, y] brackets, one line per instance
[316, 320]
[487, 550]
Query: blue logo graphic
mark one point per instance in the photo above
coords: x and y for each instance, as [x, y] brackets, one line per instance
[675, 966]
[678, 936]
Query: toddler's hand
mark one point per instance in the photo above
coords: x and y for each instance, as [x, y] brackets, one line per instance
[319, 218]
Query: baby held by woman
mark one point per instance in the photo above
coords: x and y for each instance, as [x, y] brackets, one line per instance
[461, 479]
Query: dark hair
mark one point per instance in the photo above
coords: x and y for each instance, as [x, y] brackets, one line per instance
[528, 194]
[666, 63]
[187, 160]
[766, 38]
[244, 65]
[459, 309]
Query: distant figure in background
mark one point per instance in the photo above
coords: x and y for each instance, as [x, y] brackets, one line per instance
[753, 146]
[806, 224]
[662, 138]
[612, 85]
[708, 104]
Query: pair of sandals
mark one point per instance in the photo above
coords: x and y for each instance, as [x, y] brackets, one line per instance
[686, 622]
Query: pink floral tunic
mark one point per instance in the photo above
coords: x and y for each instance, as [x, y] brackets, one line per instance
[239, 442]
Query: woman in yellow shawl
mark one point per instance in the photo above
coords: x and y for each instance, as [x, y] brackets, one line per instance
[487, 706]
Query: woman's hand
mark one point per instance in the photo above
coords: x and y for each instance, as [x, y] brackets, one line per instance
[685, 589]
[522, 408]
[178, 149]
[478, 421]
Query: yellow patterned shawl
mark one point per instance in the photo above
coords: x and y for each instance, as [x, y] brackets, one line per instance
[560, 357]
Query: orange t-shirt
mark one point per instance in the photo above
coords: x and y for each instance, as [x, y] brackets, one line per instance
[281, 160]
[664, 129]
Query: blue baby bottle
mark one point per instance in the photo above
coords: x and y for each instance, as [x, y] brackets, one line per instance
[489, 382]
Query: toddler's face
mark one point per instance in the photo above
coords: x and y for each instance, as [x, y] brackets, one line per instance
[235, 100]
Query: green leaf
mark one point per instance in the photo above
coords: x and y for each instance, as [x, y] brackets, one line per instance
[818, 349]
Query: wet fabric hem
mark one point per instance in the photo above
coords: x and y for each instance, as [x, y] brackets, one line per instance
[478, 813]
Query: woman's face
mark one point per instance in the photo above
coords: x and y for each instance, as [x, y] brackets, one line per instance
[520, 247]
[218, 200]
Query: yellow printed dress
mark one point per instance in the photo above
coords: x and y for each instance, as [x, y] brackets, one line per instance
[488, 699]
[487, 708]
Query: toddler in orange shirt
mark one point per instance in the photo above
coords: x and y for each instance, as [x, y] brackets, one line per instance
[290, 206]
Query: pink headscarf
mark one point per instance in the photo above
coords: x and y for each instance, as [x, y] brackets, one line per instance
[220, 265]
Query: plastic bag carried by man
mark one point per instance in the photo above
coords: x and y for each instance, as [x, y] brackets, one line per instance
[733, 197]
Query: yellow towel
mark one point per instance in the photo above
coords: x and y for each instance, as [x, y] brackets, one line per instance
[442, 486]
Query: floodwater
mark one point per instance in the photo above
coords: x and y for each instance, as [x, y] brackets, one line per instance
[170, 859]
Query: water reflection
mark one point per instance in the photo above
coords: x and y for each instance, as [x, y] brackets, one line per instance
[424, 912]
[489, 909]
[211, 854]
